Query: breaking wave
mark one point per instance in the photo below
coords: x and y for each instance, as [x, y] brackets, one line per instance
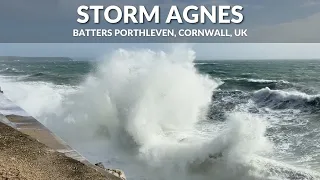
[280, 99]
[10, 70]
[256, 84]
[267, 81]
[151, 107]
[154, 105]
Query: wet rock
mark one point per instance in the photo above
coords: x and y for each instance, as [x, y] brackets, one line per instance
[116, 172]
[100, 165]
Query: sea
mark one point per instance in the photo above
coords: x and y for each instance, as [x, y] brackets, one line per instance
[166, 115]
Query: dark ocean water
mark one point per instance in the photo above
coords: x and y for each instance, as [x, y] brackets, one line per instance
[286, 94]
[237, 74]
[57, 72]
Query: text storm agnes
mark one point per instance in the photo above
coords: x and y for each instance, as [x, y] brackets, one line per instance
[140, 15]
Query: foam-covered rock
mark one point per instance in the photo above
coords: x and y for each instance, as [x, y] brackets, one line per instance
[116, 172]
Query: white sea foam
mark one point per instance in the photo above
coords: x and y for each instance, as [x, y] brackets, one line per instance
[267, 81]
[289, 99]
[286, 95]
[37, 98]
[149, 107]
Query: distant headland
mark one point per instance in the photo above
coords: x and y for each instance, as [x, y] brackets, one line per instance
[24, 58]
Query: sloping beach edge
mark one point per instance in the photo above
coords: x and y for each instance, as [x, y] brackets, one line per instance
[29, 150]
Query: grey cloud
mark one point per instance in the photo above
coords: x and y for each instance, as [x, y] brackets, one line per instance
[297, 31]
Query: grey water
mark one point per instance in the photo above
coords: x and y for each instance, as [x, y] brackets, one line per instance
[284, 92]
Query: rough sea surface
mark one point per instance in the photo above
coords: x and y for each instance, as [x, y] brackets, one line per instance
[163, 116]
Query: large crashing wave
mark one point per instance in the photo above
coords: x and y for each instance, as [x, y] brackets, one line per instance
[151, 107]
[154, 105]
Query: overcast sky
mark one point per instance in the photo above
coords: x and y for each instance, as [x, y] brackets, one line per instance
[290, 19]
